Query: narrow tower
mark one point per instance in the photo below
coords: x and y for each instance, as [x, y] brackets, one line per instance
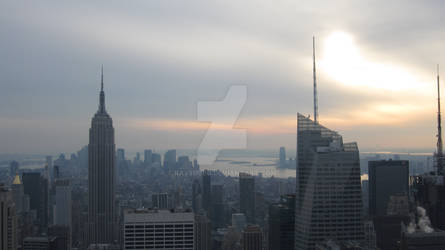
[101, 176]
[439, 150]
[315, 82]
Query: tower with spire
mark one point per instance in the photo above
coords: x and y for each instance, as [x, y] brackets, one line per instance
[101, 176]
[439, 159]
[315, 82]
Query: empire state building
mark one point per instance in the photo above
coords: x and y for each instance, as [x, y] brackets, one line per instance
[101, 177]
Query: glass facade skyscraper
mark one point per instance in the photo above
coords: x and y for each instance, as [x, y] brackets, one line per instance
[328, 192]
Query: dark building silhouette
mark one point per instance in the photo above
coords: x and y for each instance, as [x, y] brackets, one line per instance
[63, 234]
[282, 163]
[206, 191]
[386, 178]
[328, 191]
[282, 223]
[156, 159]
[218, 206]
[203, 235]
[196, 194]
[101, 177]
[252, 238]
[36, 187]
[170, 159]
[160, 201]
[247, 196]
[8, 219]
[148, 156]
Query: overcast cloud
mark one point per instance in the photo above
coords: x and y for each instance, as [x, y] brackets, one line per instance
[162, 57]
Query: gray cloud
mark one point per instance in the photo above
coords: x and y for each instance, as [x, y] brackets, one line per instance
[162, 57]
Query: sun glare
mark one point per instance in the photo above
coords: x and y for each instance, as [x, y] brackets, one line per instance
[343, 62]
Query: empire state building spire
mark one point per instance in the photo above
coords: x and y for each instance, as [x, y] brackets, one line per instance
[102, 93]
[102, 219]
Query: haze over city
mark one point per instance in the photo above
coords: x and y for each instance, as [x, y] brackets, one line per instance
[375, 76]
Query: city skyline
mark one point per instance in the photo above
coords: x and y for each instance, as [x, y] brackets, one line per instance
[154, 63]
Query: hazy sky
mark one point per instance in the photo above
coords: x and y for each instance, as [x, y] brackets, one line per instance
[376, 70]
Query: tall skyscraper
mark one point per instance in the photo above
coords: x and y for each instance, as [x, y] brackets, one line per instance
[329, 197]
[239, 222]
[148, 156]
[252, 238]
[36, 186]
[196, 195]
[206, 192]
[160, 201]
[101, 177]
[62, 213]
[49, 164]
[8, 220]
[203, 232]
[282, 223]
[120, 157]
[386, 178]
[156, 159]
[170, 159]
[18, 194]
[282, 157]
[218, 206]
[247, 196]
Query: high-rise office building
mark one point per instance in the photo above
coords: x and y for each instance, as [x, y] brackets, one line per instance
[388, 200]
[36, 187]
[252, 238]
[247, 196]
[62, 211]
[170, 159]
[195, 164]
[218, 207]
[120, 155]
[63, 235]
[328, 190]
[203, 232]
[158, 229]
[156, 159]
[196, 195]
[239, 222]
[8, 220]
[282, 223]
[18, 194]
[184, 162]
[282, 157]
[160, 201]
[206, 191]
[49, 164]
[101, 177]
[386, 178]
[148, 156]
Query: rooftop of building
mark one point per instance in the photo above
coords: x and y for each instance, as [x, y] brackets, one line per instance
[157, 215]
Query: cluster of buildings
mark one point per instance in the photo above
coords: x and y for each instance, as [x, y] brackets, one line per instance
[98, 199]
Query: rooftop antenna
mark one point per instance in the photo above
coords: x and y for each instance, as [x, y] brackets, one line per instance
[315, 83]
[102, 78]
[439, 153]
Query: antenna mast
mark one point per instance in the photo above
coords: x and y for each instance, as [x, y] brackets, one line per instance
[439, 153]
[315, 83]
